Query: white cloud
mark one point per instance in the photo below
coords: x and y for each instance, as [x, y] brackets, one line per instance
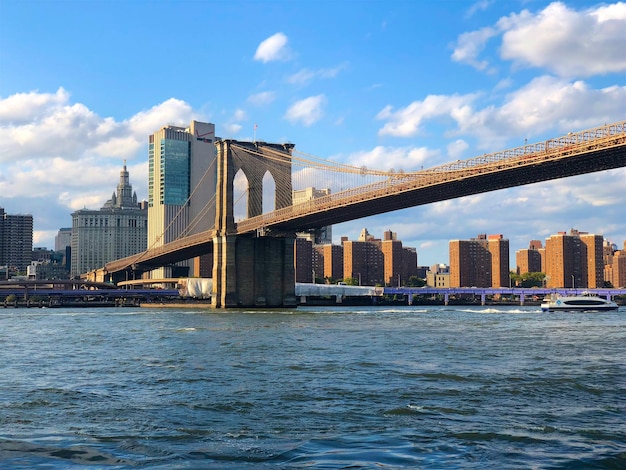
[481, 5]
[231, 129]
[262, 98]
[456, 149]
[470, 45]
[559, 39]
[307, 111]
[239, 115]
[306, 75]
[31, 122]
[301, 77]
[25, 107]
[542, 104]
[568, 42]
[273, 48]
[406, 122]
[397, 158]
[527, 112]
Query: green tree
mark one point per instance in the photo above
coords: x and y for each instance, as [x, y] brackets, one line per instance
[533, 279]
[415, 281]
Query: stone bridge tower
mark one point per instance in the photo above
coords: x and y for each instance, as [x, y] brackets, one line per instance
[252, 270]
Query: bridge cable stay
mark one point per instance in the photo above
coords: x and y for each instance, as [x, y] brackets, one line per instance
[580, 142]
[241, 196]
[144, 253]
[319, 173]
[199, 218]
[558, 143]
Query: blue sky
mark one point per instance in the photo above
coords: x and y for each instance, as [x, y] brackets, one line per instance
[386, 84]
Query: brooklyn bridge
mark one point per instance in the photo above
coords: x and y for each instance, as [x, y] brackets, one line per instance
[253, 262]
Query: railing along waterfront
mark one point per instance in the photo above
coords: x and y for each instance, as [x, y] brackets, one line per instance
[574, 143]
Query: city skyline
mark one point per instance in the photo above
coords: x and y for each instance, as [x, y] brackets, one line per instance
[396, 85]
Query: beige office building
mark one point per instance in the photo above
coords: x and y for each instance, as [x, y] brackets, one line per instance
[324, 234]
[117, 230]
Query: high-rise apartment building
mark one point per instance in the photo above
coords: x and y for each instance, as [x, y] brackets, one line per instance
[392, 255]
[328, 261]
[16, 240]
[593, 264]
[470, 264]
[119, 229]
[400, 262]
[303, 260]
[363, 261]
[574, 260]
[370, 261]
[479, 262]
[182, 175]
[563, 268]
[618, 268]
[317, 262]
[529, 260]
[498, 247]
[409, 264]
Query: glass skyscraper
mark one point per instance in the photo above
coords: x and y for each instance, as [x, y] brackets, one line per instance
[181, 186]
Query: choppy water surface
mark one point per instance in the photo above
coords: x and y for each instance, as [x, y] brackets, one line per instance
[408, 387]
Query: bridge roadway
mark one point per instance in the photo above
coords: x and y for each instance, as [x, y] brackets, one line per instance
[588, 151]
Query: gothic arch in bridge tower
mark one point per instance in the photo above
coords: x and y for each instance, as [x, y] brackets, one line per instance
[240, 195]
[252, 269]
[256, 160]
[269, 193]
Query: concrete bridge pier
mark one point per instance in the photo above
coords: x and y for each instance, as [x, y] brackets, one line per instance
[250, 271]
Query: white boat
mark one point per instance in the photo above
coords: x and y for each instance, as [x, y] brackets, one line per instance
[586, 302]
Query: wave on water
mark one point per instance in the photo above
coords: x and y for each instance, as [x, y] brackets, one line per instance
[497, 310]
[28, 454]
[404, 310]
[369, 451]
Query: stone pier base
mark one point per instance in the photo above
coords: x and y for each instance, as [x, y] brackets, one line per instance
[251, 271]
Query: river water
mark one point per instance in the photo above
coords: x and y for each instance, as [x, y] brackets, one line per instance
[316, 387]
